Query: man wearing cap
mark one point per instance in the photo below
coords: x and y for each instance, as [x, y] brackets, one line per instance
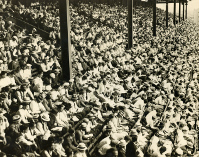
[15, 126]
[43, 127]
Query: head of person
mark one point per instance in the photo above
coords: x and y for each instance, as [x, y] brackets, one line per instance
[45, 117]
[81, 147]
[83, 126]
[16, 119]
[25, 85]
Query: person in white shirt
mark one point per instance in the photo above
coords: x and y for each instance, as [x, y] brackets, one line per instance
[46, 66]
[25, 72]
[24, 114]
[36, 105]
[24, 95]
[38, 83]
[138, 106]
[61, 116]
[43, 127]
[4, 124]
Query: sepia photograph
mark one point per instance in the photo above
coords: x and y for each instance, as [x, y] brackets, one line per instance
[99, 78]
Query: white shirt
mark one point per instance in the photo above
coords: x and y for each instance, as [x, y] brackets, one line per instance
[139, 104]
[62, 119]
[79, 154]
[5, 82]
[24, 114]
[104, 141]
[25, 74]
[104, 149]
[37, 107]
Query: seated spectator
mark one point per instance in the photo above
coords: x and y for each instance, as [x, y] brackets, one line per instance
[43, 127]
[81, 136]
[27, 145]
[36, 105]
[24, 94]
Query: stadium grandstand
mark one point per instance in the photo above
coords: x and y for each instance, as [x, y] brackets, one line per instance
[98, 78]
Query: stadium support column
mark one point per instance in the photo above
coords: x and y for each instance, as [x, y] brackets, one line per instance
[179, 11]
[167, 13]
[186, 3]
[130, 24]
[174, 12]
[65, 39]
[183, 11]
[154, 17]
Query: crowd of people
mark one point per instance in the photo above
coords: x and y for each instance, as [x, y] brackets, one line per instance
[142, 101]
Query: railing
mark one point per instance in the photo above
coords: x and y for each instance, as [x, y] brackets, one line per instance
[22, 24]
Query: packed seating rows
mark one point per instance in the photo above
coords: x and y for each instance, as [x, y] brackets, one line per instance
[141, 102]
